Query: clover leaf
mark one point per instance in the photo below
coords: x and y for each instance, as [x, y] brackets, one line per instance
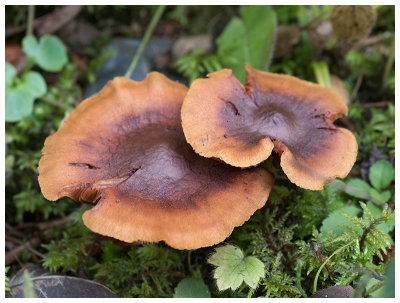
[33, 83]
[10, 72]
[49, 53]
[21, 94]
[19, 104]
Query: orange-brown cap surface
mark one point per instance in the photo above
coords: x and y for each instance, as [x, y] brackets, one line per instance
[124, 151]
[242, 125]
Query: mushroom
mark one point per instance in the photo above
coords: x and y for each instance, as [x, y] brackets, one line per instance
[123, 150]
[242, 125]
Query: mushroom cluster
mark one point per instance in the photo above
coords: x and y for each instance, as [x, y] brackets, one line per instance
[148, 154]
[242, 125]
[124, 151]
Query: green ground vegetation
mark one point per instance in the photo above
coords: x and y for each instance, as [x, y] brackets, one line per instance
[299, 242]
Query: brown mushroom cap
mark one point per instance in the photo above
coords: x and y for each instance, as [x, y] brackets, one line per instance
[242, 125]
[124, 151]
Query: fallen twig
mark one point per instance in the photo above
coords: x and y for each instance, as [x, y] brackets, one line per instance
[13, 254]
[373, 40]
[49, 23]
[376, 104]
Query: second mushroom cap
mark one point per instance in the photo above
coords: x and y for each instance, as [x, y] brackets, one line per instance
[242, 125]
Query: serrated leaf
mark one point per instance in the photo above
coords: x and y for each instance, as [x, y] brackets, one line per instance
[233, 268]
[192, 288]
[253, 271]
[10, 72]
[381, 174]
[33, 83]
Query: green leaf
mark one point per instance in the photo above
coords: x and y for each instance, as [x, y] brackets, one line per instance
[355, 187]
[250, 39]
[33, 83]
[358, 188]
[233, 268]
[380, 198]
[381, 174]
[50, 54]
[19, 104]
[192, 288]
[321, 71]
[232, 48]
[30, 46]
[29, 291]
[260, 24]
[376, 211]
[388, 289]
[335, 223]
[10, 73]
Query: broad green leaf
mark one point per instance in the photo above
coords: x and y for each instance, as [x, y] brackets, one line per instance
[355, 187]
[52, 54]
[192, 288]
[19, 104]
[389, 286]
[232, 48]
[10, 73]
[380, 197]
[260, 24]
[381, 174]
[33, 83]
[335, 223]
[358, 188]
[233, 268]
[30, 46]
[248, 40]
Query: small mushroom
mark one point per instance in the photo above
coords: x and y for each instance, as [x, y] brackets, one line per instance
[123, 150]
[242, 125]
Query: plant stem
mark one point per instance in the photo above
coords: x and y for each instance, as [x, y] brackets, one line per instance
[326, 261]
[145, 39]
[57, 104]
[298, 278]
[31, 17]
[389, 64]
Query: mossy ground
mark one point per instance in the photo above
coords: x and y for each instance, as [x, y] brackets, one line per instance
[293, 234]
